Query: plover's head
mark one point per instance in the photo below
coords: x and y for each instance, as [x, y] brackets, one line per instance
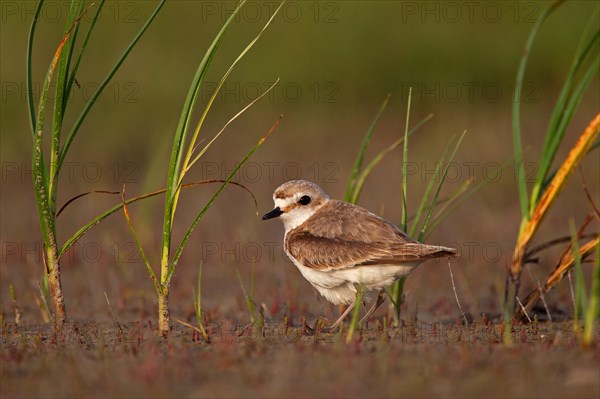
[296, 201]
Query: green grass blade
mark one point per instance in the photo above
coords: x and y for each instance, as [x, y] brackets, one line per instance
[516, 111]
[561, 116]
[360, 182]
[396, 298]
[567, 115]
[192, 144]
[181, 133]
[354, 321]
[71, 28]
[350, 186]
[40, 178]
[31, 101]
[83, 230]
[249, 301]
[28, 69]
[574, 102]
[189, 231]
[580, 295]
[455, 196]
[197, 157]
[157, 285]
[62, 77]
[177, 177]
[455, 201]
[69, 55]
[437, 192]
[198, 304]
[185, 117]
[592, 313]
[427, 193]
[73, 74]
[87, 227]
[404, 190]
[107, 79]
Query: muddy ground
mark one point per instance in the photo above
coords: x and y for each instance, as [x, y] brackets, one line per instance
[416, 359]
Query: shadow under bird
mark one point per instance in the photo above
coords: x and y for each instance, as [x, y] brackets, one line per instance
[338, 246]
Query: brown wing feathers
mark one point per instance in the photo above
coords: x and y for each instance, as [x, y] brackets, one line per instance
[331, 240]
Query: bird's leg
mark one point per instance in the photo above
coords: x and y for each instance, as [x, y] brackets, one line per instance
[343, 316]
[377, 304]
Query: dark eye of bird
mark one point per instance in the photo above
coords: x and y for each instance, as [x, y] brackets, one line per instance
[304, 200]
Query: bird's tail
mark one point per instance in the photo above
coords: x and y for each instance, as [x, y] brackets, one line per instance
[436, 251]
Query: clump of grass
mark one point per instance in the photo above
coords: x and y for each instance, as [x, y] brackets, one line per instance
[198, 305]
[248, 298]
[547, 185]
[184, 154]
[586, 305]
[197, 301]
[592, 313]
[42, 303]
[564, 265]
[355, 312]
[424, 221]
[47, 163]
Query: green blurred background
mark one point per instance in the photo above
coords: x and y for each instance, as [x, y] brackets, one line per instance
[337, 61]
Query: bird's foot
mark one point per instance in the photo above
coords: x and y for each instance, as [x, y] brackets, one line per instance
[319, 326]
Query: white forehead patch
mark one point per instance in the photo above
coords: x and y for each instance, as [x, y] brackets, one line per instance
[283, 202]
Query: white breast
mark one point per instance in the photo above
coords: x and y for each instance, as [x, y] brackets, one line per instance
[339, 286]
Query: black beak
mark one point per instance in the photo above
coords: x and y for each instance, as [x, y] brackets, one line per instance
[273, 214]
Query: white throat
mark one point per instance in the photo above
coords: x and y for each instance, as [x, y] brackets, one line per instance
[296, 217]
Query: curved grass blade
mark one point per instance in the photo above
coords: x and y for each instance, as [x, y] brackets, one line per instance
[189, 231]
[57, 118]
[427, 192]
[75, 198]
[404, 190]
[593, 311]
[28, 71]
[198, 305]
[81, 232]
[350, 186]
[354, 321]
[192, 144]
[174, 171]
[73, 74]
[65, 148]
[564, 265]
[197, 157]
[249, 299]
[456, 199]
[157, 285]
[448, 203]
[40, 177]
[443, 178]
[516, 111]
[454, 202]
[561, 116]
[369, 168]
[569, 110]
[62, 77]
[182, 127]
[581, 147]
[74, 11]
